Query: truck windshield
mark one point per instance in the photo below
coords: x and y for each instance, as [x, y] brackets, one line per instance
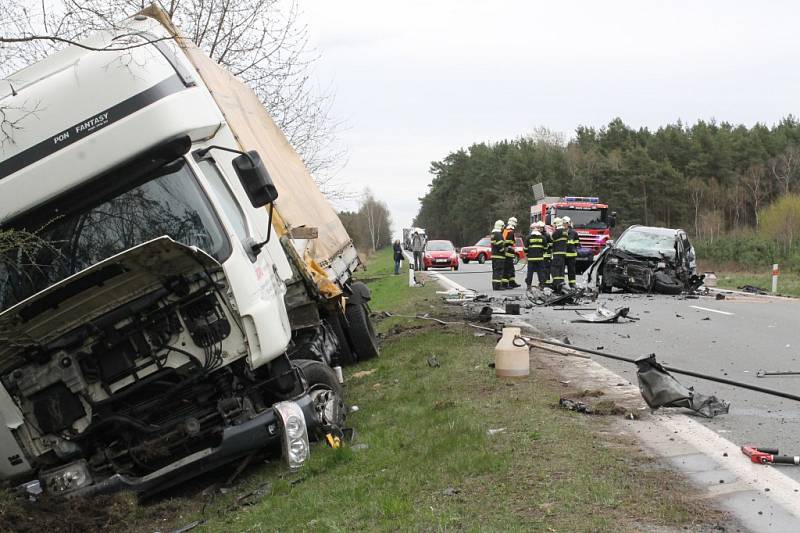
[62, 238]
[584, 218]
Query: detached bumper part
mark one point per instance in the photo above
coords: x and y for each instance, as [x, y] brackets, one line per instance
[290, 422]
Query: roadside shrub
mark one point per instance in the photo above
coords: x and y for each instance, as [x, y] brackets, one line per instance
[748, 251]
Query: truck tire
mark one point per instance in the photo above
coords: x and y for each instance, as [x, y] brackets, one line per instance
[321, 380]
[346, 355]
[362, 335]
[466, 261]
[665, 284]
[481, 259]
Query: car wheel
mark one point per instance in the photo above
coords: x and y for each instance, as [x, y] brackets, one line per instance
[346, 355]
[465, 261]
[362, 334]
[481, 259]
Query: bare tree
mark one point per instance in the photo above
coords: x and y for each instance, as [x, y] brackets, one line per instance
[263, 42]
[376, 216]
[784, 166]
[753, 181]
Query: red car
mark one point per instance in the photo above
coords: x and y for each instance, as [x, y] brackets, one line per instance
[482, 250]
[440, 254]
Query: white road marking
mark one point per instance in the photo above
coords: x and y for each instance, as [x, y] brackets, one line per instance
[712, 310]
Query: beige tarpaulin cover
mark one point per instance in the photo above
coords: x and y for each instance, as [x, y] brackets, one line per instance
[300, 202]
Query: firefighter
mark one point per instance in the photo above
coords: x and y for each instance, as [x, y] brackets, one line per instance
[548, 255]
[559, 254]
[498, 257]
[535, 246]
[510, 241]
[573, 243]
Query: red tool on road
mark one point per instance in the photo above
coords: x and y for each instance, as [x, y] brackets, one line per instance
[766, 456]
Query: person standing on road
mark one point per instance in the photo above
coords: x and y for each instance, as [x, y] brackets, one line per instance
[573, 242]
[535, 246]
[548, 255]
[510, 240]
[559, 254]
[398, 256]
[417, 248]
[498, 257]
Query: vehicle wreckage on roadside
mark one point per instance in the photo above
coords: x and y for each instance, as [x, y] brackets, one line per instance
[647, 259]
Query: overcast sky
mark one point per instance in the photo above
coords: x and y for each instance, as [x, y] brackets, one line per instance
[416, 80]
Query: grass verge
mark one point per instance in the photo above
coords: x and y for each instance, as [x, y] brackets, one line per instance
[424, 458]
[788, 283]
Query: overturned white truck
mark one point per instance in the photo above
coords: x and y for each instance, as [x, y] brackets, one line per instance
[179, 291]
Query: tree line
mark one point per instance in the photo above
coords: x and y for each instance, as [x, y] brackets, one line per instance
[370, 226]
[711, 178]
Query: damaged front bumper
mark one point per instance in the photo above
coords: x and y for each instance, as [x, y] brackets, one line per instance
[273, 428]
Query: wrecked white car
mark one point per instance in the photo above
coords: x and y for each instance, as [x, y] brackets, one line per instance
[647, 259]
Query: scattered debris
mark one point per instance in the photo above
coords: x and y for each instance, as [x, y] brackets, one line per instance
[762, 373]
[607, 407]
[512, 309]
[753, 289]
[720, 296]
[593, 393]
[360, 446]
[255, 495]
[189, 526]
[433, 362]
[660, 389]
[479, 334]
[578, 407]
[491, 432]
[363, 373]
[604, 315]
[450, 491]
[353, 408]
[706, 318]
[769, 456]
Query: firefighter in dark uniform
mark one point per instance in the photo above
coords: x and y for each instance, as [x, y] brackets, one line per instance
[573, 243]
[535, 246]
[559, 254]
[548, 255]
[498, 257]
[510, 240]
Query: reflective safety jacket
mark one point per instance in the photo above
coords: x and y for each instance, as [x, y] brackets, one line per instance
[548, 250]
[559, 242]
[498, 245]
[573, 243]
[509, 239]
[535, 246]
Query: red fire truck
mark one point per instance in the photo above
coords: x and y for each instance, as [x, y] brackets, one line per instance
[590, 218]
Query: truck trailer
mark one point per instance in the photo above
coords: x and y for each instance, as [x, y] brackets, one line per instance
[179, 293]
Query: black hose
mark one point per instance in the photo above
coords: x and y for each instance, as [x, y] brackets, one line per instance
[672, 369]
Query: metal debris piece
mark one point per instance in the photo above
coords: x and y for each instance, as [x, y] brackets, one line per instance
[604, 315]
[660, 389]
[762, 373]
[753, 289]
[573, 405]
[433, 362]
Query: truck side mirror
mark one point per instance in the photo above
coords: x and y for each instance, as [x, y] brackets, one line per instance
[255, 179]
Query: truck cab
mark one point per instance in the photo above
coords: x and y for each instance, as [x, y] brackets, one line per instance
[143, 292]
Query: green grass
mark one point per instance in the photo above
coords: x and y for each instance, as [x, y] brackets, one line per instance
[788, 283]
[425, 430]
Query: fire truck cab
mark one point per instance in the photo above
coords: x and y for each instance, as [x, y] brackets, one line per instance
[590, 218]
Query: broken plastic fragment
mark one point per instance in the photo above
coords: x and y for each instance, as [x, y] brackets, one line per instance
[660, 389]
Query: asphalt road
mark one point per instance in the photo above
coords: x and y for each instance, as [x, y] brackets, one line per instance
[744, 333]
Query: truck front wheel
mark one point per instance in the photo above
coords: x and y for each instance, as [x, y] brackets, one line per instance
[325, 391]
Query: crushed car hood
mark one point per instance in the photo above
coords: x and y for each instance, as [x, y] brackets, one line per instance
[90, 293]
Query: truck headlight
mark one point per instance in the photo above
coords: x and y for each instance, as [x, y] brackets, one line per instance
[661, 264]
[67, 478]
[295, 433]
